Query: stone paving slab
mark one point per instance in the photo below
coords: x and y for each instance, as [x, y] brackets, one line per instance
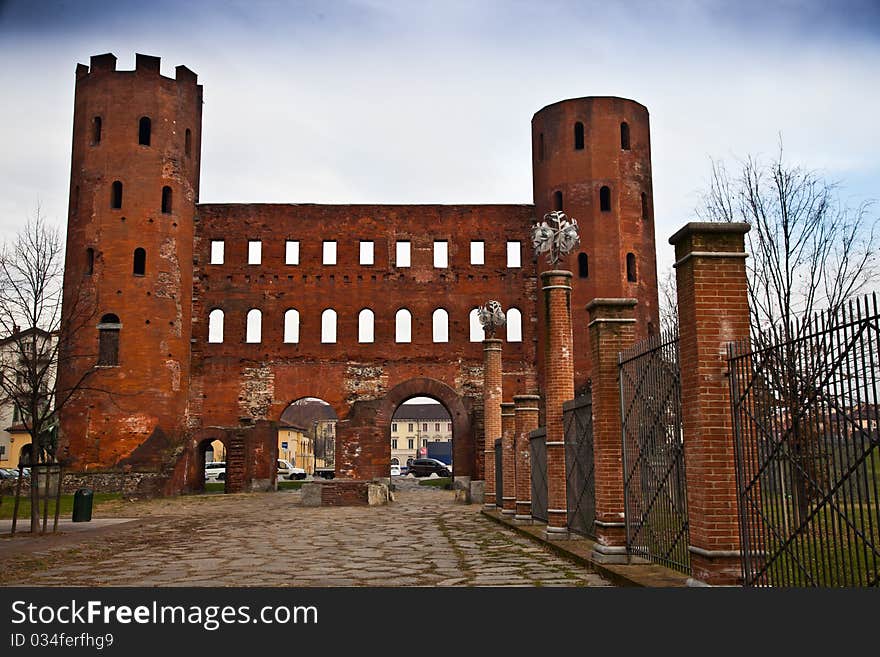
[268, 539]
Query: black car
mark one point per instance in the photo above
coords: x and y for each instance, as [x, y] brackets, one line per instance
[426, 467]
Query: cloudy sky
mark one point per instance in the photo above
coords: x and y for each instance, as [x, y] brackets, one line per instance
[387, 101]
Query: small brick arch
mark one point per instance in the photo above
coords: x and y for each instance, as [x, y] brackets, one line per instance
[195, 471]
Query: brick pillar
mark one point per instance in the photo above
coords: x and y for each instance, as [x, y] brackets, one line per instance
[526, 420]
[508, 495]
[491, 414]
[713, 310]
[559, 388]
[611, 330]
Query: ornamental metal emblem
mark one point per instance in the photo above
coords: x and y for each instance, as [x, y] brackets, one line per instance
[492, 317]
[557, 236]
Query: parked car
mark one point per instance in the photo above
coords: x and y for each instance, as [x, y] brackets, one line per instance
[395, 470]
[427, 467]
[215, 471]
[287, 470]
[6, 474]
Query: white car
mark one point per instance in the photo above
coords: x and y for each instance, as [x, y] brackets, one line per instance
[395, 470]
[215, 471]
[287, 470]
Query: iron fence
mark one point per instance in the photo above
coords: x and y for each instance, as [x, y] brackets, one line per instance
[538, 459]
[805, 417]
[499, 472]
[580, 483]
[654, 483]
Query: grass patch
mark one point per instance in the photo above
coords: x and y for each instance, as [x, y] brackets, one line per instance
[291, 485]
[215, 486]
[24, 507]
[439, 482]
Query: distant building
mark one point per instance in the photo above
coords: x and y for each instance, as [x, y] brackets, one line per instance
[413, 426]
[307, 435]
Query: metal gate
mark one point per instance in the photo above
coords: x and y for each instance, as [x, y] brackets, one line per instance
[499, 472]
[654, 486]
[806, 418]
[580, 482]
[538, 457]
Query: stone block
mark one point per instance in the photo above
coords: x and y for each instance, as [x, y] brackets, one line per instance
[311, 493]
[478, 492]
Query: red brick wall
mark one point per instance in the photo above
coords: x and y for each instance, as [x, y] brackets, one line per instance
[525, 421]
[508, 495]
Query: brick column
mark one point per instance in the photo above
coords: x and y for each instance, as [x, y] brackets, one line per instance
[491, 414]
[611, 330]
[508, 495]
[713, 310]
[559, 388]
[526, 420]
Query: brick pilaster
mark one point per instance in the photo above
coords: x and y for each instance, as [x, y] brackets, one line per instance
[611, 330]
[713, 310]
[526, 420]
[492, 390]
[508, 495]
[559, 388]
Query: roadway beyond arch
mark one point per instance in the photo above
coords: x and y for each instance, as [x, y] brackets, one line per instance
[363, 439]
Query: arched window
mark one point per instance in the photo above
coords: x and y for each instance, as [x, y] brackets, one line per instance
[366, 330]
[116, 195]
[541, 147]
[579, 136]
[583, 266]
[624, 136]
[644, 206]
[108, 340]
[514, 325]
[140, 262]
[328, 326]
[476, 329]
[605, 199]
[631, 267]
[90, 261]
[96, 130]
[144, 126]
[557, 200]
[215, 326]
[403, 326]
[440, 324]
[187, 142]
[166, 200]
[291, 326]
[254, 330]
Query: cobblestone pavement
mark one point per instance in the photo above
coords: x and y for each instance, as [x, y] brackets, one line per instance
[423, 539]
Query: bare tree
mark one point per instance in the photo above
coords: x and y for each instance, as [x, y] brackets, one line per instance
[808, 253]
[36, 342]
[668, 302]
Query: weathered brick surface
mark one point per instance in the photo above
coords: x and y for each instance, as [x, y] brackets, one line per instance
[508, 458]
[526, 411]
[492, 396]
[713, 310]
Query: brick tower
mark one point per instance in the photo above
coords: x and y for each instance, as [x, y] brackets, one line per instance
[591, 158]
[134, 186]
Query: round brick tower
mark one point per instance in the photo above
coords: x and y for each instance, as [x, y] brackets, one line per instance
[591, 158]
[134, 186]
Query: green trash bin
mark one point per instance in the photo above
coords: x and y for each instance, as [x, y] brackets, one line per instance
[82, 505]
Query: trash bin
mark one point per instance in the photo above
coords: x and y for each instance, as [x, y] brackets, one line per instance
[82, 505]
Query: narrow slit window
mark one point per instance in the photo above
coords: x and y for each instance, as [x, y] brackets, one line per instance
[291, 326]
[631, 268]
[605, 199]
[440, 325]
[557, 201]
[140, 262]
[579, 136]
[90, 261]
[514, 255]
[583, 266]
[644, 206]
[217, 248]
[624, 136]
[441, 254]
[215, 326]
[328, 326]
[366, 256]
[144, 128]
[166, 200]
[116, 195]
[514, 325]
[403, 326]
[254, 329]
[96, 131]
[478, 253]
[187, 142]
[108, 340]
[402, 256]
[255, 252]
[476, 329]
[328, 253]
[366, 328]
[291, 252]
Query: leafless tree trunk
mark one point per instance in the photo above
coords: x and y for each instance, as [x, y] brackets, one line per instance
[808, 252]
[668, 302]
[35, 338]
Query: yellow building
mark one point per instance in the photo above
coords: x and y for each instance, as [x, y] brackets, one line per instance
[297, 445]
[413, 426]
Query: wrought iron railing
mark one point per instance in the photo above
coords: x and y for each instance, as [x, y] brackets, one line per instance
[580, 482]
[538, 459]
[653, 452]
[805, 416]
